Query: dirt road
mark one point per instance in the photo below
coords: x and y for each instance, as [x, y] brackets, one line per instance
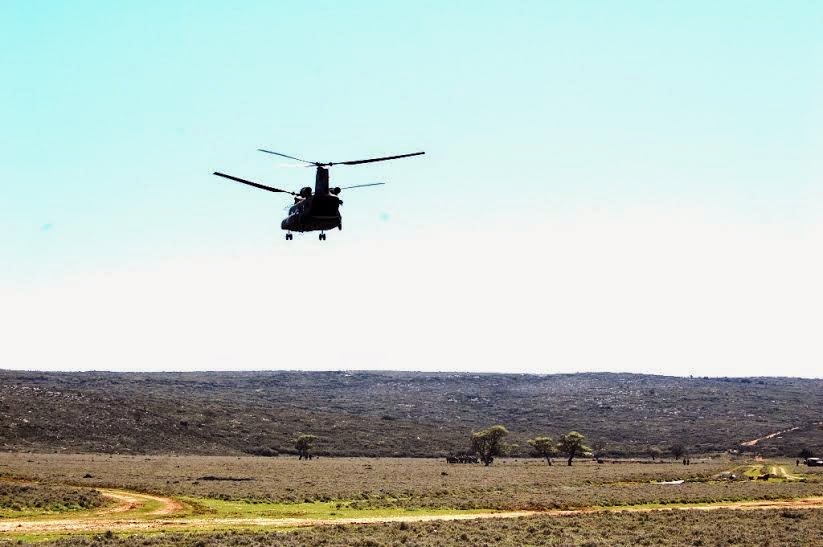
[136, 512]
[753, 442]
[133, 501]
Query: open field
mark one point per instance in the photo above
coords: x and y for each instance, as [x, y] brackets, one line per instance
[391, 497]
[409, 483]
[135, 513]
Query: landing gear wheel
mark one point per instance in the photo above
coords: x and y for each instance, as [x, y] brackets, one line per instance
[322, 237]
[289, 237]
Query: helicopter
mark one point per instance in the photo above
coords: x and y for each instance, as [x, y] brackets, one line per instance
[319, 211]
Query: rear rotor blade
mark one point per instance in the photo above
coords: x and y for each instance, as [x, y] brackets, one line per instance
[356, 162]
[362, 185]
[284, 155]
[256, 185]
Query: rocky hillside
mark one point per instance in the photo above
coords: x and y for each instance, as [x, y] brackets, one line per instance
[398, 413]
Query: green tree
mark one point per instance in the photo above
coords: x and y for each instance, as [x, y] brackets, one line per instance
[573, 444]
[545, 447]
[598, 449]
[489, 443]
[654, 452]
[304, 443]
[677, 450]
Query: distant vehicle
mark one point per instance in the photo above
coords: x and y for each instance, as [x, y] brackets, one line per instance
[320, 211]
[462, 458]
[813, 462]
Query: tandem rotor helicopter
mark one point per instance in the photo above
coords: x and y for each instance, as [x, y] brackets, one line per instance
[319, 211]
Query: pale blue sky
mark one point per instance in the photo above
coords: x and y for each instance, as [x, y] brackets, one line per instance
[671, 124]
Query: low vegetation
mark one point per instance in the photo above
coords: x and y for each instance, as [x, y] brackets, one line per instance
[675, 528]
[219, 487]
[370, 483]
[17, 498]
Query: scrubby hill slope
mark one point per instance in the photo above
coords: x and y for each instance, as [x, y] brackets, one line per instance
[397, 413]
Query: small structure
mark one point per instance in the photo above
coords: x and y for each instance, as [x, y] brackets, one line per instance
[814, 462]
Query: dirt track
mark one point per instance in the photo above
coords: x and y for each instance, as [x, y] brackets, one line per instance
[135, 512]
[753, 442]
[132, 501]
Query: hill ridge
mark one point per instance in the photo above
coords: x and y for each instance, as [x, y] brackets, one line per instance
[397, 413]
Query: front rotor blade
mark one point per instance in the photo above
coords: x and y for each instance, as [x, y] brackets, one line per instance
[256, 185]
[293, 165]
[356, 162]
[362, 185]
[283, 155]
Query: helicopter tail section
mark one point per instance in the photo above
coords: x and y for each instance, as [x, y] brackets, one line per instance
[321, 181]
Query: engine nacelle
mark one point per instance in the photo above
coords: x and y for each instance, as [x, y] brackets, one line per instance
[335, 190]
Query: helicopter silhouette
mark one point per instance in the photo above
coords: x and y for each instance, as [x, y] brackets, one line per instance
[319, 211]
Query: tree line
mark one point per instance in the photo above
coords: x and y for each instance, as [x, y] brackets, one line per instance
[489, 443]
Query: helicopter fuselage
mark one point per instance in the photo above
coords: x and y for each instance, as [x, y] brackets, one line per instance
[318, 212]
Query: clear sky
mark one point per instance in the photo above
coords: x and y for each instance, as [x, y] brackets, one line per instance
[623, 186]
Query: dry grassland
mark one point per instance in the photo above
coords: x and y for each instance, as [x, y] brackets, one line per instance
[666, 528]
[17, 497]
[408, 483]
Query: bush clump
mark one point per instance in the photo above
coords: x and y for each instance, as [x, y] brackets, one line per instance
[47, 497]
